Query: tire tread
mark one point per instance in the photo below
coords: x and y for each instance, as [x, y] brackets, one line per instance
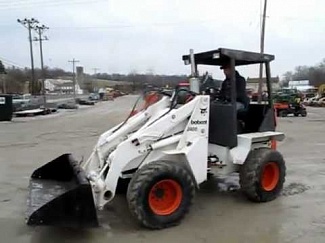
[249, 174]
[143, 177]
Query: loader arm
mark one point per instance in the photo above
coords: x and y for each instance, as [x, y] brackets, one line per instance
[154, 135]
[108, 141]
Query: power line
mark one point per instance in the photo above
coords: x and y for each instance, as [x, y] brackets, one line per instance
[16, 2]
[42, 4]
[161, 24]
[113, 26]
[121, 26]
[9, 62]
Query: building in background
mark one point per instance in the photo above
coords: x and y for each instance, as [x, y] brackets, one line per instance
[93, 85]
[252, 84]
[61, 86]
[301, 85]
[80, 76]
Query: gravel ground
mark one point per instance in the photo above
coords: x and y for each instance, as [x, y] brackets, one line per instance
[216, 216]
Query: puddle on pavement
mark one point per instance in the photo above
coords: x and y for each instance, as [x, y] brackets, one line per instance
[228, 184]
[231, 184]
[294, 189]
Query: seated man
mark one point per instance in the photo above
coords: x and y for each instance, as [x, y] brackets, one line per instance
[242, 100]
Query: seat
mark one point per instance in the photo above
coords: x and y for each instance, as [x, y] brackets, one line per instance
[241, 117]
[222, 124]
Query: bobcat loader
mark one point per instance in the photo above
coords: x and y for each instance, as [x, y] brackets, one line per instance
[167, 150]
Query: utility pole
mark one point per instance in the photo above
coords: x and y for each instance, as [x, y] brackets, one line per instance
[29, 24]
[260, 84]
[40, 30]
[2, 73]
[4, 89]
[73, 61]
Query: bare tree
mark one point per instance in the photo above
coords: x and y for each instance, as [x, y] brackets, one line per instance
[315, 74]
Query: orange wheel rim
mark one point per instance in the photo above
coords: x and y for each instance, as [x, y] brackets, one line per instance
[165, 197]
[270, 176]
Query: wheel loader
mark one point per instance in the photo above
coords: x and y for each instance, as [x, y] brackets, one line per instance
[166, 150]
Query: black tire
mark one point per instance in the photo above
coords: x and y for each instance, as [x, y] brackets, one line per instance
[283, 113]
[304, 113]
[145, 179]
[296, 114]
[251, 171]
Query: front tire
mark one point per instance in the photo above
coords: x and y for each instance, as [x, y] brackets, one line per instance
[303, 113]
[262, 175]
[283, 113]
[160, 194]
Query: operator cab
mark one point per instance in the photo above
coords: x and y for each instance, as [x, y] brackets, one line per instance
[225, 121]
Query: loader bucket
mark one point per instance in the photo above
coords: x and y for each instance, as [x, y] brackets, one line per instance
[61, 195]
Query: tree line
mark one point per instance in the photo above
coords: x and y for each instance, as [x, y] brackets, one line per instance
[16, 78]
[140, 79]
[315, 74]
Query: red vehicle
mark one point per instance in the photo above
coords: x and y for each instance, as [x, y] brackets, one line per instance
[184, 84]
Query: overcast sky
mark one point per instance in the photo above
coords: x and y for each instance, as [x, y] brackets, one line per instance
[141, 35]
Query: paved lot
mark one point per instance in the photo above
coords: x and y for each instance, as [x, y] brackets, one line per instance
[216, 216]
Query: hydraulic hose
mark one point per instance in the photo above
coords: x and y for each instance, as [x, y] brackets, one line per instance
[128, 117]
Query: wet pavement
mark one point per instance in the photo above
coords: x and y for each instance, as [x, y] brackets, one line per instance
[220, 213]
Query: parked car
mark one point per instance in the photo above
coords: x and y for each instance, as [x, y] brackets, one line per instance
[93, 96]
[321, 102]
[117, 93]
[84, 102]
[312, 101]
[308, 100]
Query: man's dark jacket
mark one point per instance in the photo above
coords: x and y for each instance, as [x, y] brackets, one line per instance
[225, 91]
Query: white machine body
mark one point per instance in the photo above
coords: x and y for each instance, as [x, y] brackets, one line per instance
[179, 135]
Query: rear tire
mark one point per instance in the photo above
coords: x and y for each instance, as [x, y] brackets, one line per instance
[160, 194]
[304, 113]
[283, 113]
[262, 175]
